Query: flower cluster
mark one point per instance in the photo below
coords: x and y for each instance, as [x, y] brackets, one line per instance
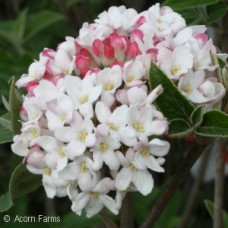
[88, 112]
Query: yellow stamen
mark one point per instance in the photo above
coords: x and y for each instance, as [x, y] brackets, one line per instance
[112, 127]
[47, 171]
[132, 167]
[82, 136]
[160, 29]
[145, 152]
[108, 86]
[60, 152]
[93, 195]
[83, 99]
[175, 69]
[103, 147]
[187, 90]
[84, 167]
[34, 133]
[129, 78]
[138, 127]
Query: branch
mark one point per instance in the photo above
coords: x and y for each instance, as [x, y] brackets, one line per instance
[219, 184]
[194, 191]
[127, 218]
[161, 203]
[108, 221]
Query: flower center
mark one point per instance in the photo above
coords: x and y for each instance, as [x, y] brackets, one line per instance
[82, 136]
[84, 167]
[129, 78]
[93, 195]
[145, 152]
[108, 86]
[160, 29]
[83, 99]
[103, 147]
[132, 167]
[175, 69]
[60, 152]
[138, 127]
[63, 118]
[112, 127]
[34, 133]
[47, 171]
[187, 90]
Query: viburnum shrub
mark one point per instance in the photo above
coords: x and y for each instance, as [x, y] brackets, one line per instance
[97, 109]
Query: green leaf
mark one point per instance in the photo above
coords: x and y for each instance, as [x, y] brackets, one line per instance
[5, 202]
[15, 107]
[5, 103]
[215, 124]
[41, 21]
[179, 128]
[5, 121]
[216, 11]
[210, 207]
[171, 102]
[197, 116]
[186, 4]
[6, 135]
[20, 24]
[21, 183]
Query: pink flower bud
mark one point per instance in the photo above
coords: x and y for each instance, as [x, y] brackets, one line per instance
[47, 52]
[31, 86]
[82, 62]
[98, 47]
[117, 41]
[133, 50]
[140, 21]
[202, 36]
[23, 114]
[136, 34]
[109, 51]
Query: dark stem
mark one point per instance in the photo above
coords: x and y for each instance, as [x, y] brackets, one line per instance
[219, 184]
[161, 203]
[194, 191]
[127, 215]
[109, 223]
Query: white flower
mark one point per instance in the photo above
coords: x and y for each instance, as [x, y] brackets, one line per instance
[149, 155]
[19, 147]
[35, 72]
[60, 111]
[94, 200]
[177, 62]
[146, 126]
[56, 152]
[79, 136]
[132, 173]
[202, 54]
[115, 123]
[45, 92]
[133, 73]
[104, 151]
[163, 20]
[199, 90]
[118, 18]
[80, 170]
[83, 93]
[110, 79]
[53, 185]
